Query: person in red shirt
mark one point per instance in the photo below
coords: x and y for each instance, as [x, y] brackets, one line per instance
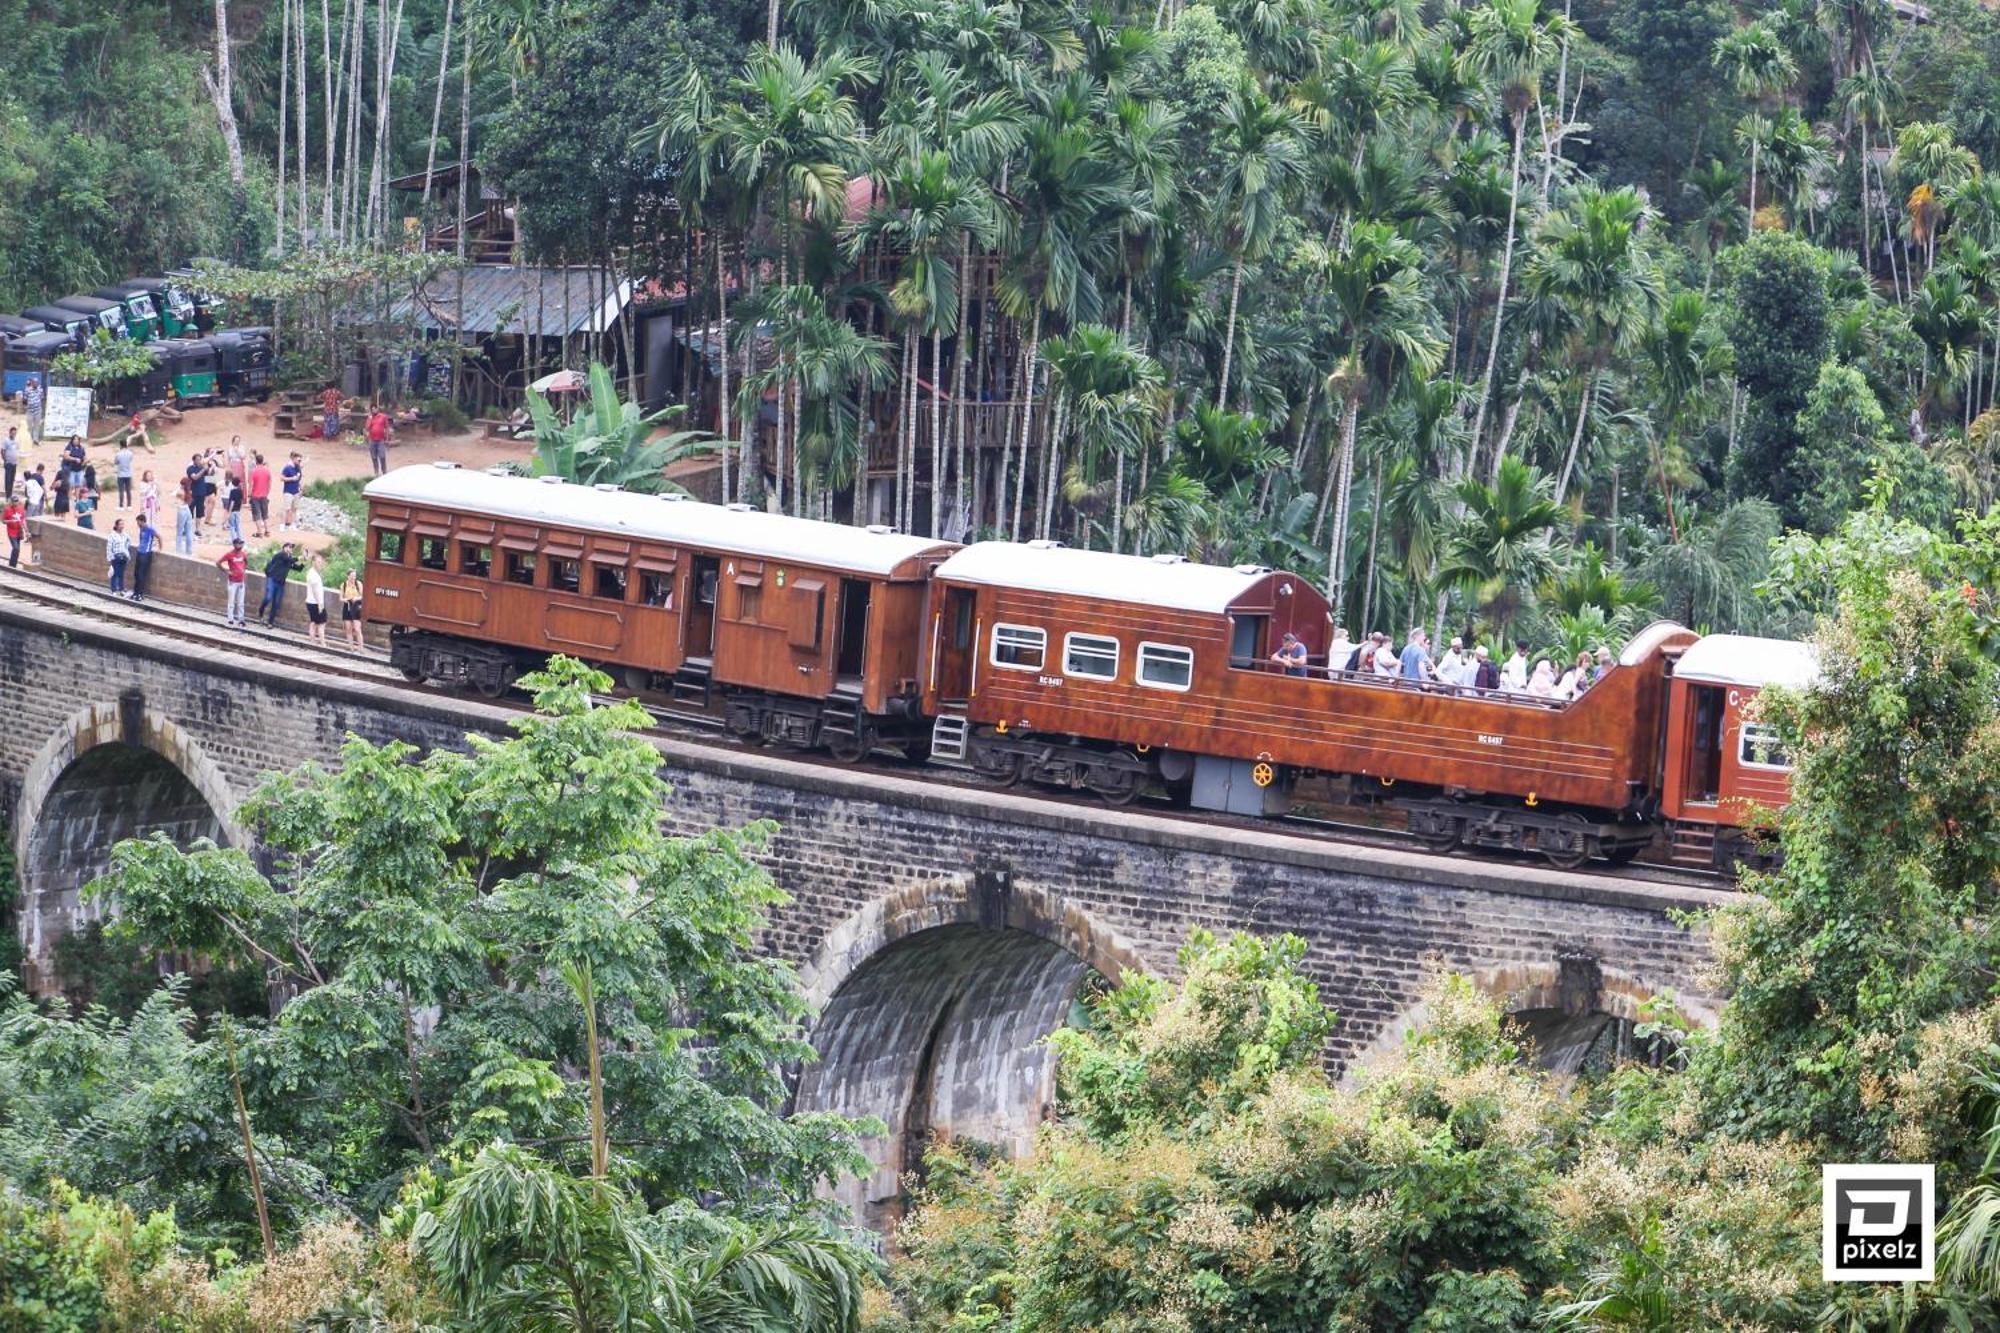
[260, 496]
[236, 565]
[15, 519]
[378, 440]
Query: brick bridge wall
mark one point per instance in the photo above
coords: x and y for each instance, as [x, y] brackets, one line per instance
[879, 864]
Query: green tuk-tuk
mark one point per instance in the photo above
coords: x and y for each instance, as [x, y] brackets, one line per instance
[190, 368]
[209, 309]
[172, 303]
[142, 316]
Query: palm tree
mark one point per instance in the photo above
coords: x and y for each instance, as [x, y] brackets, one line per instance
[1503, 545]
[1870, 99]
[1264, 158]
[612, 442]
[1589, 259]
[1106, 394]
[1759, 67]
[1720, 214]
[1706, 579]
[1685, 355]
[1512, 43]
[1797, 159]
[1383, 321]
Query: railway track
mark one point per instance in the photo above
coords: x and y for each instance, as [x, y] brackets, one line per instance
[176, 622]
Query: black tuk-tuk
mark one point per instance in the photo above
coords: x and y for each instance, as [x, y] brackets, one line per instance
[208, 307]
[110, 315]
[242, 364]
[28, 358]
[142, 315]
[73, 324]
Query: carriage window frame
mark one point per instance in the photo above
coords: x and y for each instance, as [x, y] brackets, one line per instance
[572, 566]
[1097, 646]
[475, 558]
[385, 538]
[434, 553]
[1753, 734]
[519, 563]
[1027, 634]
[656, 589]
[621, 579]
[1151, 653]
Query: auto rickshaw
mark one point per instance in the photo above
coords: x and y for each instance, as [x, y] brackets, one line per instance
[72, 324]
[142, 317]
[110, 315]
[242, 363]
[172, 302]
[28, 358]
[208, 307]
[191, 368]
[153, 385]
[16, 326]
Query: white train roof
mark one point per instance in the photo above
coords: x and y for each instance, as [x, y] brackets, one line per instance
[673, 522]
[1738, 659]
[1147, 581]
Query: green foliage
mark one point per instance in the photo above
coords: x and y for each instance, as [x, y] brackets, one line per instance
[70, 1266]
[1777, 319]
[103, 360]
[611, 442]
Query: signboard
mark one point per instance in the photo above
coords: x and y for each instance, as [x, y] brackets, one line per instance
[66, 412]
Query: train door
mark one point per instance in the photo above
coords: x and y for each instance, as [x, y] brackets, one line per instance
[851, 646]
[1701, 779]
[1246, 639]
[703, 577]
[954, 649]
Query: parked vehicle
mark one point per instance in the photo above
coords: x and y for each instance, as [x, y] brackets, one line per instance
[142, 317]
[72, 324]
[108, 315]
[14, 326]
[28, 358]
[171, 300]
[190, 369]
[242, 364]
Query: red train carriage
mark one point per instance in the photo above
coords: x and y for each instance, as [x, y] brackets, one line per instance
[1091, 670]
[807, 630]
[1724, 773]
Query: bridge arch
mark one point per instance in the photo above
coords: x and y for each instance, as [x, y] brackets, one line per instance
[1574, 983]
[111, 770]
[933, 1004]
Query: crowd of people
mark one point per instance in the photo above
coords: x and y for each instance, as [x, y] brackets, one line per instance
[1468, 670]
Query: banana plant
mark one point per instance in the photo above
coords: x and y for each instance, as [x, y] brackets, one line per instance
[612, 442]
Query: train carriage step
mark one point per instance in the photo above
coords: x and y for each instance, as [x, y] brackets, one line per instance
[1692, 844]
[950, 734]
[691, 683]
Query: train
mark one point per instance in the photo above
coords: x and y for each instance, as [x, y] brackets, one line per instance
[1031, 662]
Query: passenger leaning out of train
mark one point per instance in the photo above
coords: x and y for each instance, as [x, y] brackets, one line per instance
[1291, 655]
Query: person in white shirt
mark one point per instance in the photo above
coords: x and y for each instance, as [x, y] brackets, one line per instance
[1514, 675]
[1342, 649]
[1447, 666]
[1388, 662]
[316, 601]
[1467, 674]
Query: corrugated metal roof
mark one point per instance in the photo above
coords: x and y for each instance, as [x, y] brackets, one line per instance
[1163, 581]
[501, 298]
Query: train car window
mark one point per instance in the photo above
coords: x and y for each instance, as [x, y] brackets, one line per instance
[1093, 655]
[475, 559]
[565, 575]
[431, 552]
[1019, 647]
[607, 581]
[388, 546]
[657, 590]
[1761, 747]
[749, 601]
[521, 567]
[1166, 666]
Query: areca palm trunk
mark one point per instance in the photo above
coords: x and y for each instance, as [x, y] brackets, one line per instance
[1229, 338]
[1051, 459]
[1756, 141]
[722, 340]
[1374, 539]
[1118, 502]
[1027, 417]
[1506, 274]
[937, 429]
[1576, 435]
[906, 445]
[1336, 563]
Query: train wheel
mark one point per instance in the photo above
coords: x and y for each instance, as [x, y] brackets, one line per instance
[851, 749]
[1443, 834]
[1114, 786]
[1625, 855]
[496, 687]
[1001, 769]
[412, 674]
[1568, 846]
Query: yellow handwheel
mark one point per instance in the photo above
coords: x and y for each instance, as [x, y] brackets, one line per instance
[1263, 775]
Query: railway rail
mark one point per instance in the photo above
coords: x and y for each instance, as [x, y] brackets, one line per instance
[178, 622]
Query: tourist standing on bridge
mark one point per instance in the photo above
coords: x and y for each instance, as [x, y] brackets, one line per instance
[184, 519]
[15, 519]
[316, 601]
[235, 565]
[10, 458]
[142, 556]
[118, 551]
[276, 570]
[350, 606]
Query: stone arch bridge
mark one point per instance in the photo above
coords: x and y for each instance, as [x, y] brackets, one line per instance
[940, 931]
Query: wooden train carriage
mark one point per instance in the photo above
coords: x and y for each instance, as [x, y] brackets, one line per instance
[1725, 772]
[1102, 671]
[797, 623]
